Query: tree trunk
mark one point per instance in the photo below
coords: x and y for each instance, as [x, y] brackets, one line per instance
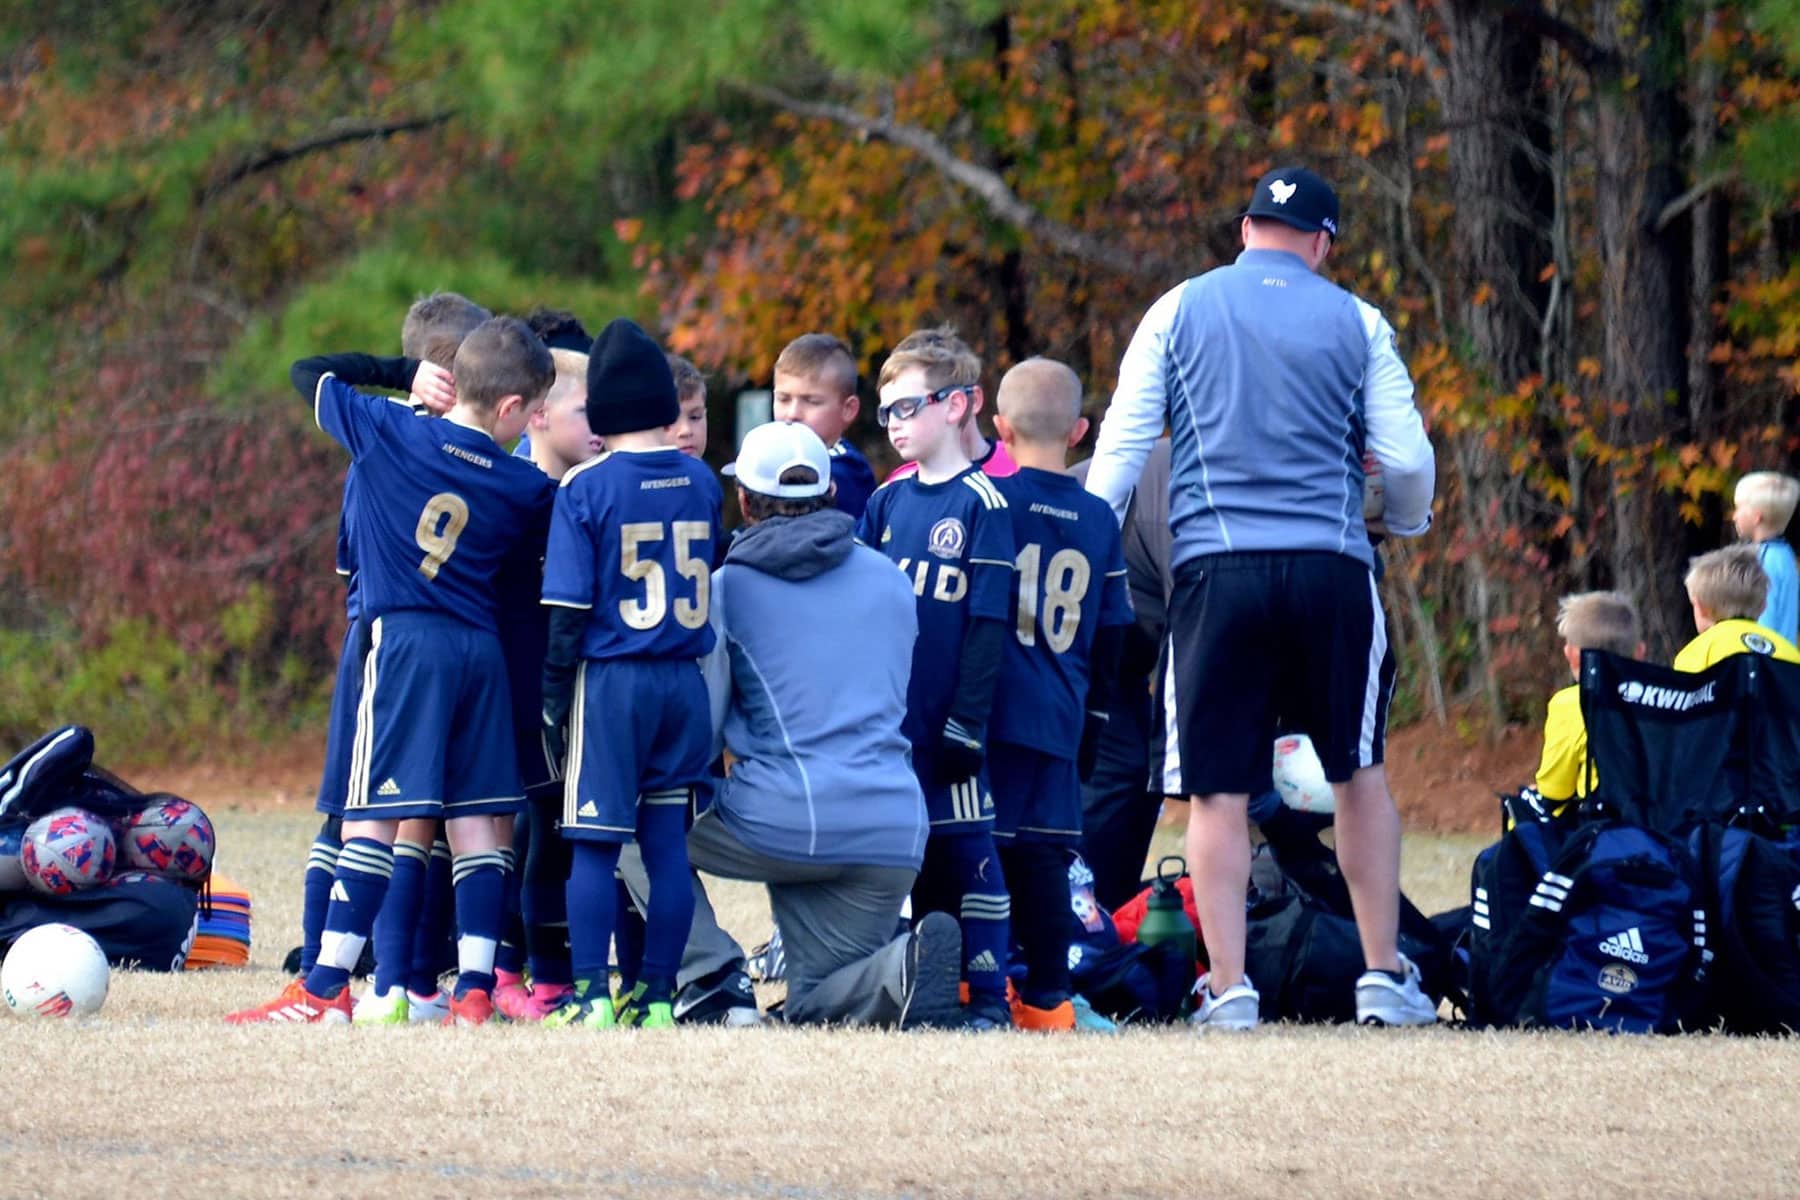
[1643, 307]
[1499, 172]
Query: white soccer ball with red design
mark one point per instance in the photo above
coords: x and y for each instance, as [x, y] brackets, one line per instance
[54, 971]
[1300, 776]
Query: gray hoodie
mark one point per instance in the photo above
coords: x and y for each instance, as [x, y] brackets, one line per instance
[808, 684]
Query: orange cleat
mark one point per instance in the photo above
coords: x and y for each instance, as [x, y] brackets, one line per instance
[1044, 1020]
[475, 1007]
[297, 1006]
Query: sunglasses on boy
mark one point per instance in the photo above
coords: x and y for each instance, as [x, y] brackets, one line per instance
[908, 407]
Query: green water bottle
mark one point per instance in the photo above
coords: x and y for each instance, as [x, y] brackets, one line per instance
[1165, 917]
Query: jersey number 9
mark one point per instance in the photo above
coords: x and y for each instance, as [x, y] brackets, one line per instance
[1065, 584]
[439, 526]
[649, 612]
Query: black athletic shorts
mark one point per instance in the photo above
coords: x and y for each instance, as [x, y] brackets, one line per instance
[1294, 642]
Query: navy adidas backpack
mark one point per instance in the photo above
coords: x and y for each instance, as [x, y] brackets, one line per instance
[1599, 926]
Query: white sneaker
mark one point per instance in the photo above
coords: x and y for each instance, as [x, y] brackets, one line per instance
[430, 1010]
[1381, 1001]
[1238, 1009]
[380, 1008]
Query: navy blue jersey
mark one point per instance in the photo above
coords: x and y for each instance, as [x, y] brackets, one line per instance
[1070, 581]
[346, 553]
[437, 506]
[633, 541]
[955, 544]
[854, 477]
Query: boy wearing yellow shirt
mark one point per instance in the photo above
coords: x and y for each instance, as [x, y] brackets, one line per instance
[1590, 621]
[1727, 589]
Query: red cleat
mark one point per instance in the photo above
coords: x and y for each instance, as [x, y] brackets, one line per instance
[521, 1003]
[297, 1006]
[475, 1007]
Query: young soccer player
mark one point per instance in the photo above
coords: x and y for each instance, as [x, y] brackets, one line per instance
[628, 579]
[1762, 506]
[561, 440]
[1729, 589]
[1071, 608]
[432, 330]
[946, 526]
[992, 458]
[815, 384]
[1590, 621]
[433, 735]
[688, 433]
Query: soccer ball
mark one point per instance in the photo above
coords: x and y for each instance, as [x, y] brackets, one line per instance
[1300, 776]
[54, 971]
[12, 871]
[67, 850]
[170, 836]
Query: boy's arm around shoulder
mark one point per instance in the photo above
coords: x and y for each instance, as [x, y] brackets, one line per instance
[330, 383]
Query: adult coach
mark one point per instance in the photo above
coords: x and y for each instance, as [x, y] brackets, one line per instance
[1273, 382]
[821, 803]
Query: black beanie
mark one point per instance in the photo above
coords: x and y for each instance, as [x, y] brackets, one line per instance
[629, 385]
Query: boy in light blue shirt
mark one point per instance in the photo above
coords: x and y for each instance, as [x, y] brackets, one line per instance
[1762, 506]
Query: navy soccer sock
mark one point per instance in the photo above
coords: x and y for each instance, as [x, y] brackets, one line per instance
[480, 883]
[398, 920]
[628, 940]
[510, 956]
[321, 867]
[364, 867]
[662, 836]
[433, 950]
[543, 899]
[1037, 875]
[591, 904]
[967, 876]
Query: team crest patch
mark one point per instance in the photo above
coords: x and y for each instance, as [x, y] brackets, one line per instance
[1758, 644]
[948, 538]
[1617, 979]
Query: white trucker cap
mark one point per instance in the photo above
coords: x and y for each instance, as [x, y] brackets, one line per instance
[769, 450]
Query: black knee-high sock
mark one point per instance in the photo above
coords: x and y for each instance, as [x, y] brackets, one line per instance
[1037, 875]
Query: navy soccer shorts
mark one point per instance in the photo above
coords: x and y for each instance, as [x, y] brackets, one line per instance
[1270, 642]
[340, 728]
[965, 807]
[1037, 796]
[434, 728]
[640, 731]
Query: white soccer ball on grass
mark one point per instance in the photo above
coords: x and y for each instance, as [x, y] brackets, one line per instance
[1300, 776]
[54, 971]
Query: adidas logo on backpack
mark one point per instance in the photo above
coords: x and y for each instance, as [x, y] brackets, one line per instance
[1627, 944]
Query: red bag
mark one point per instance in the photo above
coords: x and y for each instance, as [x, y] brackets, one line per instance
[1131, 913]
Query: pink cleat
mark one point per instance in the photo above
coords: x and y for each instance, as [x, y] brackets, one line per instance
[521, 1003]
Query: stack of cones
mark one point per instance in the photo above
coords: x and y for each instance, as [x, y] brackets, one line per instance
[222, 938]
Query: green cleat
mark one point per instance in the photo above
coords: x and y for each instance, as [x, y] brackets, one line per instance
[382, 1008]
[582, 1014]
[630, 1007]
[659, 1014]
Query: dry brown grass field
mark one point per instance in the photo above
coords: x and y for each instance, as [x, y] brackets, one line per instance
[155, 1096]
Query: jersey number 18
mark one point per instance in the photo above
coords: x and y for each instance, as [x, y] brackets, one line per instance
[1065, 584]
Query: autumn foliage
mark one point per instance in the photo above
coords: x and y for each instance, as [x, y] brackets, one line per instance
[1581, 218]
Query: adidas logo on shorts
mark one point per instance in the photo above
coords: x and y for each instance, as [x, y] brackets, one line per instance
[587, 810]
[1628, 945]
[388, 788]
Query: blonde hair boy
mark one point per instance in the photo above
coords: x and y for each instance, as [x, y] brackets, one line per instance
[1727, 589]
[1587, 621]
[1763, 506]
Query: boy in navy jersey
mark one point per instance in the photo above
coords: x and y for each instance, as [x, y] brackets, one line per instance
[815, 384]
[948, 530]
[628, 578]
[1071, 606]
[440, 506]
[560, 441]
[432, 330]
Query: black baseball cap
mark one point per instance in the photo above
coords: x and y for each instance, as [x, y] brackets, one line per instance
[1295, 196]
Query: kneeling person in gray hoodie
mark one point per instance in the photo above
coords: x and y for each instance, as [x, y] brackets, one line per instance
[821, 803]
